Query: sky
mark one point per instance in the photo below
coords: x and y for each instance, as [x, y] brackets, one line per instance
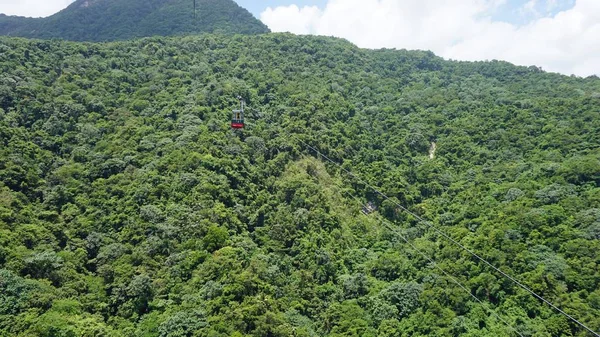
[558, 35]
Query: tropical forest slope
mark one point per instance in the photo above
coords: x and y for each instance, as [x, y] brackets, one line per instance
[109, 20]
[129, 208]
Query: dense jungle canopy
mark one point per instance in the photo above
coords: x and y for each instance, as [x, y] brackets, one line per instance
[128, 207]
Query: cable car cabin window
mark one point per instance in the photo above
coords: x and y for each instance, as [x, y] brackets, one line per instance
[237, 121]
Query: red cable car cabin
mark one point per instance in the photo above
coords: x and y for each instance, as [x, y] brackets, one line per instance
[237, 120]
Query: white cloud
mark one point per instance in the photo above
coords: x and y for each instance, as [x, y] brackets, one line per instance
[303, 23]
[530, 8]
[32, 8]
[456, 29]
[530, 5]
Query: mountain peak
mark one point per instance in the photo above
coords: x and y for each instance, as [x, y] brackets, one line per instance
[109, 20]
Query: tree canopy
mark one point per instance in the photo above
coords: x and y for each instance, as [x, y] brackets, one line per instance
[128, 207]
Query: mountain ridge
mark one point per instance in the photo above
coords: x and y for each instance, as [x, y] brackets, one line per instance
[113, 20]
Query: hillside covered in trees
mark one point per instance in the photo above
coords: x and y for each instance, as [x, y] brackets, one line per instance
[129, 208]
[110, 20]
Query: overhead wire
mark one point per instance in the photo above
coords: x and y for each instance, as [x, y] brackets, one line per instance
[449, 238]
[395, 230]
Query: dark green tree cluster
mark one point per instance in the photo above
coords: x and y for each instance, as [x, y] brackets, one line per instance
[129, 208]
[110, 20]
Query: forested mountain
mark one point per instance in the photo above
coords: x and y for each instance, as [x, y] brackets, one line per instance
[109, 20]
[128, 207]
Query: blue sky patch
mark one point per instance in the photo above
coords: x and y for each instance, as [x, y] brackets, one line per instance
[521, 12]
[513, 11]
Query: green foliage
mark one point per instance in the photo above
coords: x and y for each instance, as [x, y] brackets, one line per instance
[405, 297]
[14, 294]
[215, 238]
[182, 324]
[42, 265]
[128, 207]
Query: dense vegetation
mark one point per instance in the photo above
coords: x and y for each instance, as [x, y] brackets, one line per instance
[109, 20]
[129, 208]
